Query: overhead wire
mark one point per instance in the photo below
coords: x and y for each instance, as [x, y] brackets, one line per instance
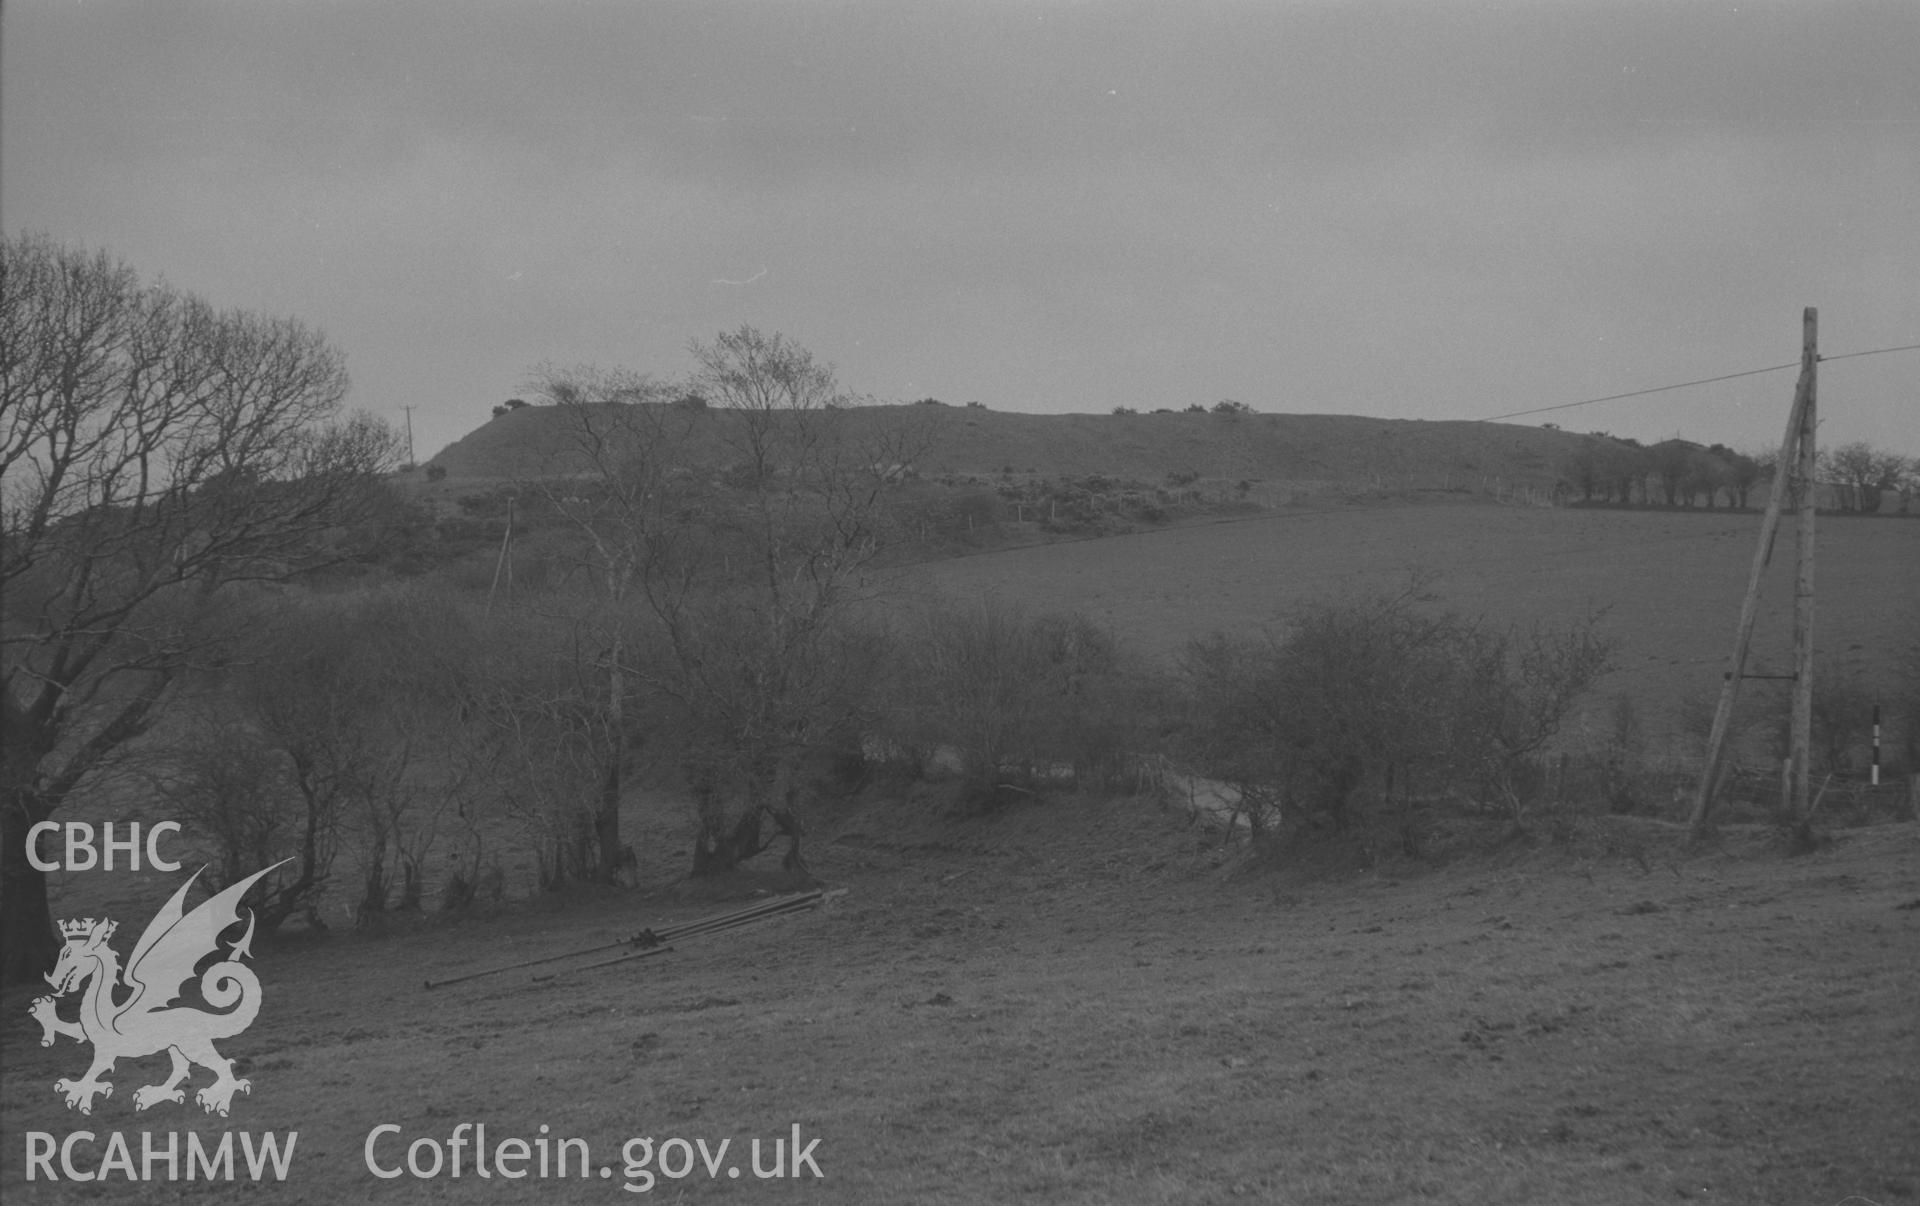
[1661, 389]
[1637, 393]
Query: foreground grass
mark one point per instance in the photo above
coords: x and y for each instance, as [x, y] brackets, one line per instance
[1091, 1003]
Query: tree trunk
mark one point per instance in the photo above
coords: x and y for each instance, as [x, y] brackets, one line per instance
[794, 863]
[375, 882]
[411, 884]
[606, 824]
[720, 847]
[373, 898]
[29, 943]
[286, 899]
[786, 819]
[1345, 777]
[606, 817]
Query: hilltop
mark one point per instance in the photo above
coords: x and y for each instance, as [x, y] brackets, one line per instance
[1300, 452]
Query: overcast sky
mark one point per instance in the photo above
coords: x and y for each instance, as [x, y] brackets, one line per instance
[1417, 210]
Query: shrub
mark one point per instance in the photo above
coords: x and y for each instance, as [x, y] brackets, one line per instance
[1361, 710]
[1021, 701]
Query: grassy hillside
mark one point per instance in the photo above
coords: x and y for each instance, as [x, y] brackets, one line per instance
[1083, 1003]
[1301, 450]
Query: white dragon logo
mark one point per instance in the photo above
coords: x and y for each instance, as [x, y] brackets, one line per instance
[163, 961]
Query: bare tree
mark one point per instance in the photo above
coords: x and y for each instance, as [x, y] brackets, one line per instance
[1018, 699]
[1343, 700]
[627, 489]
[971, 677]
[769, 663]
[342, 725]
[154, 450]
[1583, 467]
[1672, 463]
[1861, 474]
[1623, 472]
[233, 792]
[1907, 483]
[1515, 691]
[568, 719]
[1361, 706]
[1744, 473]
[742, 525]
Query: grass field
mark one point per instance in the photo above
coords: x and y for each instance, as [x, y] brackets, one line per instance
[1093, 1002]
[1669, 583]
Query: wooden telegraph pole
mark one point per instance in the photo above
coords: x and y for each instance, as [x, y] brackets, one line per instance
[1800, 742]
[1794, 462]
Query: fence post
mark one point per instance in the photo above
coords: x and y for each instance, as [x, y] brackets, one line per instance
[1874, 773]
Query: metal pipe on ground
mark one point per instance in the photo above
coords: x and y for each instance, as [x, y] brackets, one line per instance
[494, 971]
[723, 926]
[654, 941]
[567, 971]
[770, 908]
[776, 905]
[765, 908]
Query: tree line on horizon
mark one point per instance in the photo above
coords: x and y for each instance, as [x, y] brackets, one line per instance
[1856, 477]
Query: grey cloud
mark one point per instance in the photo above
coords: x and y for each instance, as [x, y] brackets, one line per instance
[758, 91]
[1039, 204]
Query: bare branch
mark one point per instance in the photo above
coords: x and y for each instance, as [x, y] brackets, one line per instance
[153, 450]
